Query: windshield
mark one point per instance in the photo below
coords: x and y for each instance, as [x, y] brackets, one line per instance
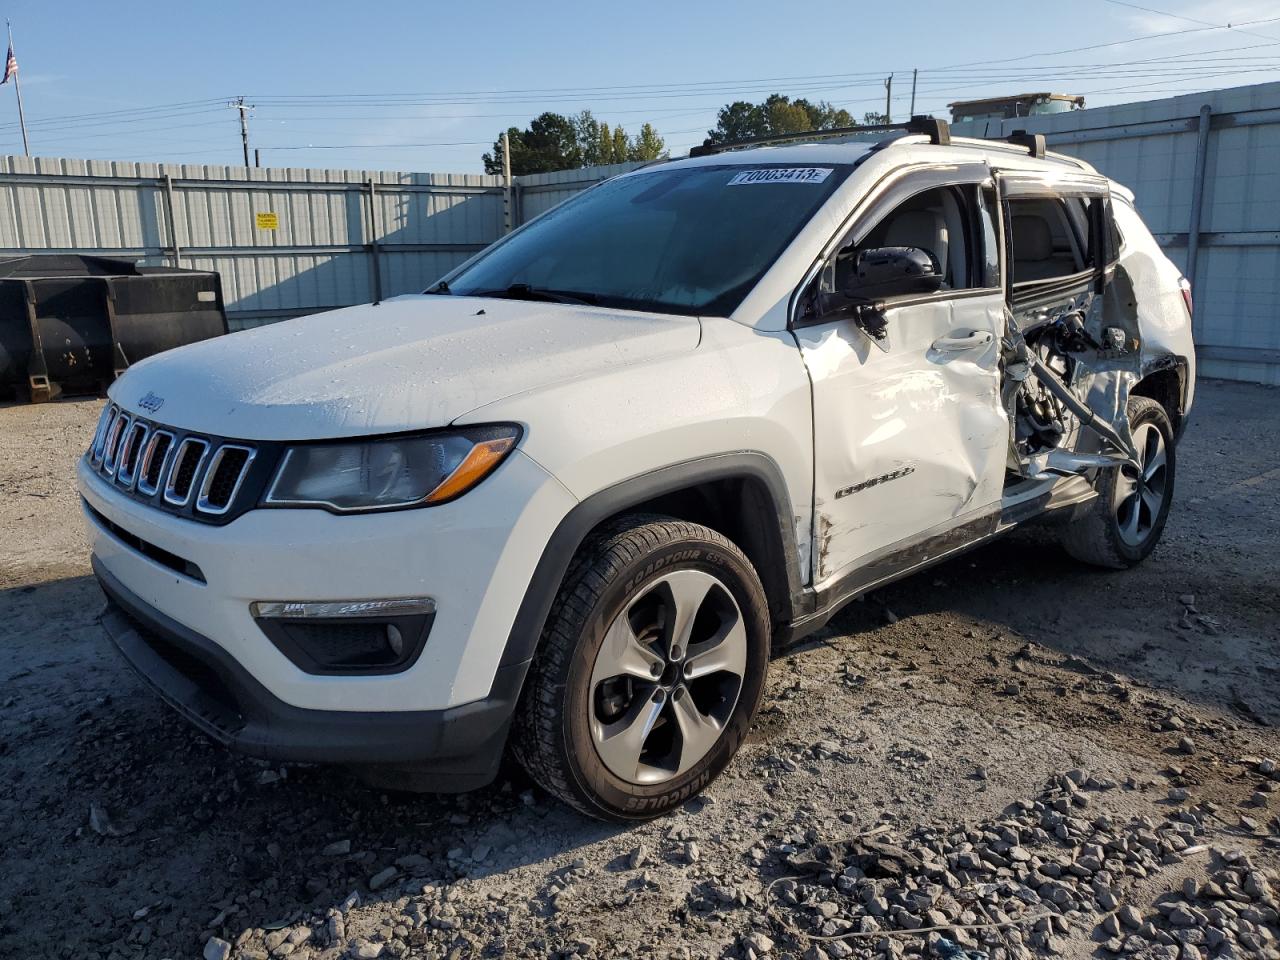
[692, 240]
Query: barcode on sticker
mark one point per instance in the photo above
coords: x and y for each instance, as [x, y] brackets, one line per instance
[781, 175]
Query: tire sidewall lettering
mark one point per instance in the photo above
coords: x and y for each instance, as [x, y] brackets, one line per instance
[661, 563]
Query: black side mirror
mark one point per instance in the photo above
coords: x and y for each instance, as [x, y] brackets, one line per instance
[894, 272]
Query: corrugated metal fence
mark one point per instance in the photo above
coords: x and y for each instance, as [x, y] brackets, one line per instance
[1205, 169]
[285, 241]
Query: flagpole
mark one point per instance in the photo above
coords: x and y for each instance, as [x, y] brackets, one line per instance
[17, 89]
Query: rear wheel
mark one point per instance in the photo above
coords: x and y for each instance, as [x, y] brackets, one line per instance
[650, 670]
[1126, 521]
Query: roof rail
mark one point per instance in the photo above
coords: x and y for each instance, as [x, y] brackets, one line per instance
[937, 130]
[1034, 142]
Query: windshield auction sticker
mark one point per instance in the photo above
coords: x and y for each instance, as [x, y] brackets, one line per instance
[781, 175]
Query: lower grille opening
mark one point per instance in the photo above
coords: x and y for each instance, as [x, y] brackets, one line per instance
[349, 646]
[147, 549]
[344, 644]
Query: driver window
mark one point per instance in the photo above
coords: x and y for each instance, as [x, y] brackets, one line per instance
[936, 220]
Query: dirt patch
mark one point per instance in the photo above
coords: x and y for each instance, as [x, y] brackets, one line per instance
[941, 712]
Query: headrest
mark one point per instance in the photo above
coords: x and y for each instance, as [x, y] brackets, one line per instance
[919, 228]
[1032, 238]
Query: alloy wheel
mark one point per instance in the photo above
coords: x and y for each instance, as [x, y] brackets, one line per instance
[1140, 492]
[667, 677]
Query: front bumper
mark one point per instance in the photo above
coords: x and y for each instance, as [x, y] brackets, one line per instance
[474, 556]
[461, 745]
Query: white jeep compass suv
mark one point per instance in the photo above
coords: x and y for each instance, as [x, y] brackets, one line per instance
[566, 501]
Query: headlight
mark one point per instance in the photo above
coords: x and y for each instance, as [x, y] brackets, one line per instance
[391, 472]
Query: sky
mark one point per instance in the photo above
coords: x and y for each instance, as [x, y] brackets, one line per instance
[427, 86]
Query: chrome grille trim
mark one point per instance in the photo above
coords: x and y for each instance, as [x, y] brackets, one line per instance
[109, 413]
[191, 446]
[130, 453]
[145, 461]
[202, 501]
[115, 439]
[144, 464]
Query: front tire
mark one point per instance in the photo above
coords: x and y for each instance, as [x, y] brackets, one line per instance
[650, 669]
[1125, 522]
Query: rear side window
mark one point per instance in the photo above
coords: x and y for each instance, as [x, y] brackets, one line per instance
[1078, 213]
[1044, 242]
[1092, 220]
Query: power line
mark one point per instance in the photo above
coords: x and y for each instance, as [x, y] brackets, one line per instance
[107, 123]
[1117, 43]
[375, 146]
[655, 91]
[1190, 65]
[933, 83]
[109, 115]
[1178, 16]
[870, 74]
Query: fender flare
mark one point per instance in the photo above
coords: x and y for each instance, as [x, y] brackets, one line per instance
[578, 523]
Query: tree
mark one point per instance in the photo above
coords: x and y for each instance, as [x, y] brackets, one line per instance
[741, 119]
[556, 142]
[550, 143]
[871, 118]
[647, 145]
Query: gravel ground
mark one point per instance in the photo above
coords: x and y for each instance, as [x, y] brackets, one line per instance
[1034, 757]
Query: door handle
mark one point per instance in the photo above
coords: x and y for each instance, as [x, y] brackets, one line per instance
[969, 341]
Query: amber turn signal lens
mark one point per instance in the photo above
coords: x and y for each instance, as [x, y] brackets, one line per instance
[475, 466]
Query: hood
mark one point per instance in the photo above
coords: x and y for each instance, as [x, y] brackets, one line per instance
[406, 364]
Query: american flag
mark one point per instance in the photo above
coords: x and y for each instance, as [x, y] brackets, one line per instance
[10, 65]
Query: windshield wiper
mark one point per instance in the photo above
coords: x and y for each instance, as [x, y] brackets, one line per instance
[523, 291]
[440, 288]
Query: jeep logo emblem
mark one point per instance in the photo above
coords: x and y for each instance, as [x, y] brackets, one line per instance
[151, 403]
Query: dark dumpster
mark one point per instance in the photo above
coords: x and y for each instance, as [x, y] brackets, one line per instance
[71, 324]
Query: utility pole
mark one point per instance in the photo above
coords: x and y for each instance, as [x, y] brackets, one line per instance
[914, 73]
[507, 212]
[17, 89]
[244, 109]
[888, 98]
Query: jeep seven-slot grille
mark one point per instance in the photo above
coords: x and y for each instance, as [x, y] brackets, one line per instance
[195, 475]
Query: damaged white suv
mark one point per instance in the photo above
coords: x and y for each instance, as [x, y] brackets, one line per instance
[566, 502]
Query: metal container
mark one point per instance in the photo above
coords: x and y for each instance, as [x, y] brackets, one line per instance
[71, 324]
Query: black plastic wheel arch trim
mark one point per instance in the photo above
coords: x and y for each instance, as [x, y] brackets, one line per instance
[574, 528]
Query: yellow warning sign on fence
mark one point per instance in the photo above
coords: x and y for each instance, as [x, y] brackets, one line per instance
[268, 221]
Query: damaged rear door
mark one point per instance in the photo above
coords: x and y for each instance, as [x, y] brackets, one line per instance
[910, 436]
[1069, 355]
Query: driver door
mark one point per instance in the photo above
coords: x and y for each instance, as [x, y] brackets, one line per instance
[910, 437]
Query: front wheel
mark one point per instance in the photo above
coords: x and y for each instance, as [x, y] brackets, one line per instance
[650, 670]
[1124, 524]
